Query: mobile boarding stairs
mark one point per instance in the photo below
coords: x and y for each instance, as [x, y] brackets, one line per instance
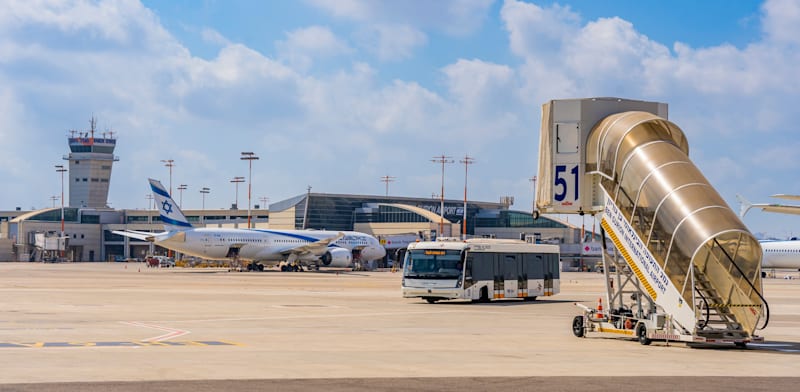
[683, 266]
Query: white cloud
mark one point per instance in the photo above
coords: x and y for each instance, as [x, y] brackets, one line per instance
[390, 41]
[736, 104]
[484, 93]
[536, 32]
[214, 37]
[316, 39]
[610, 48]
[303, 46]
[780, 21]
[61, 62]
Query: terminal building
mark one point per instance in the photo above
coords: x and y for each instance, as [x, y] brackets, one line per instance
[88, 222]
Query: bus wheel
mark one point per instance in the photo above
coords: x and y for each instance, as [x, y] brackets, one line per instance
[641, 333]
[484, 294]
[431, 300]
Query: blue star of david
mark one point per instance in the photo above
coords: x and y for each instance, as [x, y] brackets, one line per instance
[166, 207]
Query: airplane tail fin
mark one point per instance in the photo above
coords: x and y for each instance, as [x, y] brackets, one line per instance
[171, 214]
[744, 205]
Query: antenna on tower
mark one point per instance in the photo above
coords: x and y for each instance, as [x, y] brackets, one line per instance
[93, 124]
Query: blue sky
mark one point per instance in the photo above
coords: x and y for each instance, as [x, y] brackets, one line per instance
[337, 93]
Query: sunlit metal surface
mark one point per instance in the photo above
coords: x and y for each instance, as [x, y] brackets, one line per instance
[698, 240]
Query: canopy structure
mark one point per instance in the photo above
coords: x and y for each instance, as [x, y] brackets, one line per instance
[704, 248]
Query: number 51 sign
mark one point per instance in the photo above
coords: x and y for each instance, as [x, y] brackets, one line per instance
[566, 167]
[566, 185]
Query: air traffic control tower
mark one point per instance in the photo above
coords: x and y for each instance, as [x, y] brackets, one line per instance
[90, 161]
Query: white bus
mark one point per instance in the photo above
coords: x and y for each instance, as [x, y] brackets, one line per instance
[480, 270]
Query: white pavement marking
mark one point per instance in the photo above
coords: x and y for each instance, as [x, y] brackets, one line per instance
[171, 332]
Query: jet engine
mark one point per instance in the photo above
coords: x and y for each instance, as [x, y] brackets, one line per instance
[338, 257]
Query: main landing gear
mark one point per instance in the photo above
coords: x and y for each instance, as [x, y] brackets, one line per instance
[291, 268]
[255, 267]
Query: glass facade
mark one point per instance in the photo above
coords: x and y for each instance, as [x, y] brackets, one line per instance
[70, 215]
[341, 212]
[507, 218]
[137, 219]
[387, 214]
[90, 219]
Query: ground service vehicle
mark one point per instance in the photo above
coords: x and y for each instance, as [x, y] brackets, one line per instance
[480, 269]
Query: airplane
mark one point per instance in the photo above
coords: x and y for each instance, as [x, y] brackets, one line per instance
[745, 205]
[781, 254]
[776, 253]
[290, 248]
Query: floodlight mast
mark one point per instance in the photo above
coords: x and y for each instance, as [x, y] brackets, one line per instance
[468, 160]
[249, 157]
[442, 159]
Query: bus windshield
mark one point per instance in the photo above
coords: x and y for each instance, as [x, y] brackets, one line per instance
[433, 264]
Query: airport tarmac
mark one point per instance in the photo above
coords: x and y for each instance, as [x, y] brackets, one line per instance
[122, 322]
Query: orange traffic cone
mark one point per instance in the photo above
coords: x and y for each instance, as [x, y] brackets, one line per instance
[599, 308]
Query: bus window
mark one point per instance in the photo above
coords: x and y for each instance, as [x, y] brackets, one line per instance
[433, 264]
[510, 267]
[534, 265]
[482, 267]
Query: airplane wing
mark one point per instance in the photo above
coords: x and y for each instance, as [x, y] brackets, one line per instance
[139, 235]
[780, 208]
[316, 248]
[152, 237]
[787, 197]
[770, 207]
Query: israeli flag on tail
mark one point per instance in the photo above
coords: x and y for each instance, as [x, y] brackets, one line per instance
[171, 214]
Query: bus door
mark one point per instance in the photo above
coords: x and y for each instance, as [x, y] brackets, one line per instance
[534, 268]
[499, 277]
[551, 273]
[512, 274]
[523, 276]
[467, 261]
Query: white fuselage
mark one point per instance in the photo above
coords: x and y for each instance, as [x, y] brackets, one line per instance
[781, 254]
[267, 245]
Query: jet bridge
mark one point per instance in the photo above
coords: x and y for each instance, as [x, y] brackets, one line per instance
[685, 267]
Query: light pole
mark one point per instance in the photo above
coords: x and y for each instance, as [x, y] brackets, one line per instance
[237, 180]
[204, 191]
[249, 157]
[387, 179]
[169, 163]
[53, 199]
[466, 161]
[264, 201]
[149, 198]
[61, 169]
[442, 159]
[181, 188]
[534, 213]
